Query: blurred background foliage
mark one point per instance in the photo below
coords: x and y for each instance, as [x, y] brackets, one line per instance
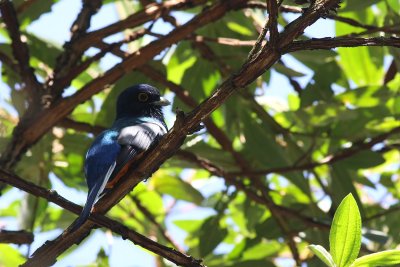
[332, 127]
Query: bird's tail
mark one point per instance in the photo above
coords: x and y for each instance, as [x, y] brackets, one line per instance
[93, 196]
[91, 200]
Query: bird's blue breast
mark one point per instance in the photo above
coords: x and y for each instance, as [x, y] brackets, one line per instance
[101, 155]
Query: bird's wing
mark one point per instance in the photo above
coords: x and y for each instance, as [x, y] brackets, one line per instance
[141, 135]
[99, 166]
[134, 139]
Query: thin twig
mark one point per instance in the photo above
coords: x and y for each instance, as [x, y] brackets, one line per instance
[272, 8]
[329, 43]
[159, 227]
[71, 55]
[259, 42]
[81, 126]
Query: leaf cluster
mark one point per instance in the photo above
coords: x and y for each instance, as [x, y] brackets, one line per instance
[268, 173]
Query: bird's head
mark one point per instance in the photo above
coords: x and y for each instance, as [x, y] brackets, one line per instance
[141, 100]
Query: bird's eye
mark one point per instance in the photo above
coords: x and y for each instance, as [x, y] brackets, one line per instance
[143, 97]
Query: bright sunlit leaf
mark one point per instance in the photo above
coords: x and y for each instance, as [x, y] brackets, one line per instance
[345, 234]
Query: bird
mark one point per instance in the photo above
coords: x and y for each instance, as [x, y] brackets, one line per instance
[139, 123]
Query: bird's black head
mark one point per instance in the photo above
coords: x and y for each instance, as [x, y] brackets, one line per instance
[141, 100]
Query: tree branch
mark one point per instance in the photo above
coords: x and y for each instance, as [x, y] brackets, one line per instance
[184, 124]
[163, 232]
[21, 52]
[104, 49]
[16, 237]
[6, 60]
[52, 196]
[29, 132]
[393, 29]
[71, 53]
[329, 43]
[80, 126]
[391, 72]
[149, 13]
[25, 5]
[272, 8]
[225, 41]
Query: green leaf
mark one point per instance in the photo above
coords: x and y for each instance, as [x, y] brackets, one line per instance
[269, 229]
[34, 11]
[189, 226]
[356, 5]
[102, 259]
[343, 184]
[210, 235]
[252, 263]
[236, 27]
[320, 88]
[151, 200]
[363, 159]
[362, 65]
[44, 51]
[323, 254]
[287, 71]
[383, 258]
[314, 59]
[217, 156]
[345, 234]
[260, 140]
[177, 188]
[394, 4]
[181, 60]
[10, 256]
[261, 250]
[376, 236]
[18, 98]
[367, 96]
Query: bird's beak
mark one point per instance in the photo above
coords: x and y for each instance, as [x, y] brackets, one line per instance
[162, 102]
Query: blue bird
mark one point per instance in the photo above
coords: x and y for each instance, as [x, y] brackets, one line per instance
[138, 124]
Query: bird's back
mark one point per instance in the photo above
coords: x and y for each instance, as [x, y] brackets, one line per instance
[101, 155]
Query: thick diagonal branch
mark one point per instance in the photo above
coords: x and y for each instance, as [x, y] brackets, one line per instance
[173, 140]
[29, 132]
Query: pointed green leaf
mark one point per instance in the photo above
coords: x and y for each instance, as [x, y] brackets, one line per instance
[210, 235]
[384, 258]
[177, 188]
[345, 234]
[322, 254]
